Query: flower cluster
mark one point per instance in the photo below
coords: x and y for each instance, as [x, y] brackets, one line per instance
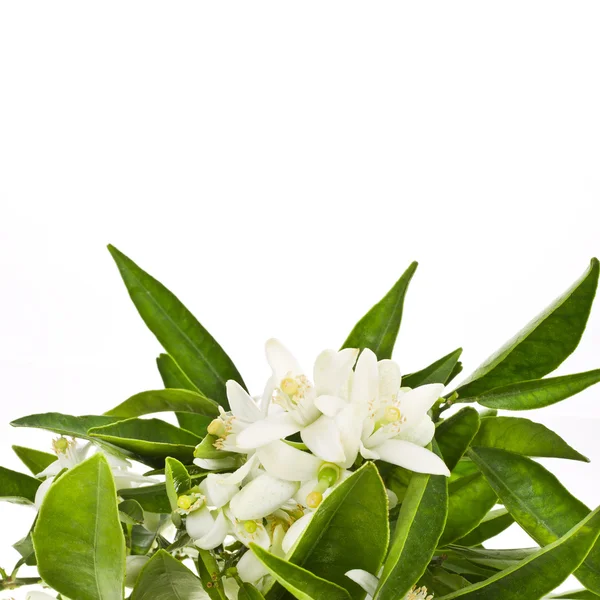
[300, 439]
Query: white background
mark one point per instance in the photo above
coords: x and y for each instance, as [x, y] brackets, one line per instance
[278, 165]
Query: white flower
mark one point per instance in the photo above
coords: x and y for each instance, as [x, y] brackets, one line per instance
[369, 583]
[299, 405]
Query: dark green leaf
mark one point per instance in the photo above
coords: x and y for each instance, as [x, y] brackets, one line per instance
[542, 345]
[248, 592]
[527, 395]
[35, 460]
[523, 436]
[438, 372]
[197, 424]
[454, 435]
[165, 578]
[152, 498]
[303, 584]
[197, 353]
[151, 439]
[65, 424]
[131, 512]
[155, 401]
[379, 328]
[353, 516]
[491, 558]
[78, 532]
[419, 526]
[210, 575]
[25, 548]
[494, 523]
[470, 499]
[141, 540]
[577, 595]
[438, 581]
[177, 480]
[525, 487]
[17, 488]
[541, 572]
[172, 375]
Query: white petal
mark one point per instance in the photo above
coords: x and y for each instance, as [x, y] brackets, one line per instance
[199, 522]
[261, 497]
[286, 462]
[421, 433]
[216, 464]
[332, 370]
[281, 360]
[389, 378]
[323, 440]
[217, 493]
[274, 427]
[369, 453]
[250, 569]
[41, 492]
[39, 596]
[295, 531]
[241, 403]
[350, 424]
[365, 386]
[305, 489]
[260, 537]
[240, 474]
[50, 471]
[330, 405]
[133, 567]
[415, 403]
[411, 457]
[216, 535]
[128, 479]
[366, 580]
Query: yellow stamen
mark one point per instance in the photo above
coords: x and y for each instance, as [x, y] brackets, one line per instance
[289, 386]
[61, 445]
[392, 414]
[184, 502]
[314, 499]
[216, 427]
[250, 526]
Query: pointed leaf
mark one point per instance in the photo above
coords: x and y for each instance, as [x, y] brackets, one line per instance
[379, 328]
[152, 498]
[420, 523]
[197, 424]
[16, 487]
[438, 372]
[454, 435]
[209, 571]
[65, 424]
[303, 584]
[541, 572]
[172, 375]
[78, 532]
[155, 401]
[197, 353]
[524, 488]
[527, 395]
[494, 523]
[166, 578]
[249, 592]
[177, 480]
[523, 436]
[35, 460]
[542, 345]
[131, 512]
[577, 595]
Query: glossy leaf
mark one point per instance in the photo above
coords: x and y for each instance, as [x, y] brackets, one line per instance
[378, 329]
[523, 436]
[197, 424]
[524, 487]
[469, 500]
[248, 592]
[131, 512]
[209, 571]
[152, 498]
[528, 395]
[78, 532]
[354, 516]
[156, 401]
[541, 572]
[494, 523]
[151, 439]
[195, 351]
[420, 523]
[492, 558]
[166, 578]
[177, 480]
[303, 584]
[454, 434]
[65, 424]
[16, 487]
[172, 375]
[542, 345]
[438, 372]
[35, 460]
[438, 581]
[577, 595]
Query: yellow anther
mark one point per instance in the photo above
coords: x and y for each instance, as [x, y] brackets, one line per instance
[314, 499]
[392, 414]
[289, 386]
[296, 514]
[250, 526]
[217, 427]
[61, 444]
[184, 502]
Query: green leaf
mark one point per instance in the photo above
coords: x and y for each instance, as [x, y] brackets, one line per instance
[577, 595]
[354, 516]
[420, 523]
[523, 436]
[454, 435]
[65, 424]
[172, 375]
[494, 523]
[527, 395]
[25, 548]
[524, 488]
[248, 592]
[166, 578]
[438, 372]
[155, 401]
[141, 540]
[151, 439]
[177, 480]
[206, 449]
[35, 460]
[131, 512]
[470, 499]
[197, 424]
[152, 498]
[438, 581]
[303, 584]
[17, 488]
[491, 558]
[210, 575]
[542, 345]
[78, 532]
[195, 351]
[541, 572]
[379, 328]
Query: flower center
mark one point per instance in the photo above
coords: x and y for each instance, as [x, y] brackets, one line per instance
[250, 526]
[329, 474]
